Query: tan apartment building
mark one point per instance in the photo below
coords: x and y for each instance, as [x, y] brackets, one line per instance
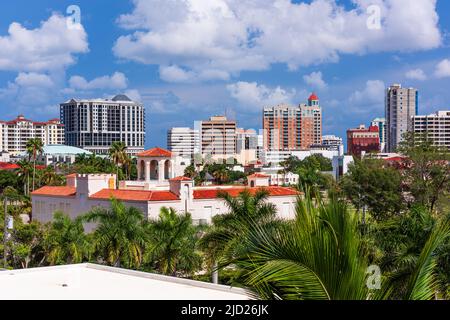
[293, 128]
[218, 137]
[14, 134]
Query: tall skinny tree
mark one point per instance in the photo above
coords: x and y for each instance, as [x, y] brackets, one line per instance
[34, 148]
[118, 155]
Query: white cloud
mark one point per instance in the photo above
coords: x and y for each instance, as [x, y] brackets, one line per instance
[33, 79]
[315, 80]
[230, 36]
[116, 81]
[253, 96]
[176, 74]
[134, 95]
[416, 74]
[49, 47]
[443, 69]
[371, 97]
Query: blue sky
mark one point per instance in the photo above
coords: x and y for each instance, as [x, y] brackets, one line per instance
[189, 59]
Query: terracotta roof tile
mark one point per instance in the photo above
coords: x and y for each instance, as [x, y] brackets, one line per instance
[258, 175]
[134, 195]
[8, 166]
[181, 178]
[234, 192]
[155, 152]
[55, 191]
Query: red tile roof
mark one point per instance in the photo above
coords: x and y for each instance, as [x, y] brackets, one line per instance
[155, 152]
[134, 195]
[258, 175]
[8, 166]
[181, 178]
[55, 191]
[274, 191]
[72, 175]
[20, 118]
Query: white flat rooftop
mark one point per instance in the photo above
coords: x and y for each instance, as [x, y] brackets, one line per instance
[95, 282]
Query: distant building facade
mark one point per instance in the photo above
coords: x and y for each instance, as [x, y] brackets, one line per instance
[381, 124]
[363, 140]
[293, 128]
[94, 125]
[218, 137]
[14, 134]
[185, 142]
[401, 105]
[436, 127]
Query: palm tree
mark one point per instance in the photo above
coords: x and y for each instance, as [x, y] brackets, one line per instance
[34, 148]
[66, 242]
[173, 243]
[25, 169]
[320, 255]
[50, 177]
[118, 155]
[228, 230]
[221, 175]
[120, 235]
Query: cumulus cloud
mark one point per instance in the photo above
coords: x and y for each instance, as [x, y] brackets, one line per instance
[51, 46]
[443, 69]
[116, 81]
[315, 80]
[416, 74]
[371, 97]
[176, 74]
[254, 96]
[230, 36]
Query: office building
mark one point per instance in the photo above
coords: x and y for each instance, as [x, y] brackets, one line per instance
[293, 128]
[401, 105]
[381, 124]
[185, 142]
[331, 143]
[363, 140]
[94, 125]
[435, 127]
[218, 138]
[15, 134]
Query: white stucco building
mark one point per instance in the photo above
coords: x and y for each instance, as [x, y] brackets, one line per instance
[86, 191]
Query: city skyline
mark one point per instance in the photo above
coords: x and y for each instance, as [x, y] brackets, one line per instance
[105, 58]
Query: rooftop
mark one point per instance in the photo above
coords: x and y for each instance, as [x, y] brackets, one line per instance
[59, 191]
[63, 149]
[134, 195]
[8, 166]
[96, 282]
[274, 191]
[155, 152]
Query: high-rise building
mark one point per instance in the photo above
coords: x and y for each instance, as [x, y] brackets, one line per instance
[381, 124]
[185, 142]
[331, 143]
[15, 134]
[218, 137]
[436, 127]
[95, 124]
[401, 105]
[293, 128]
[363, 139]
